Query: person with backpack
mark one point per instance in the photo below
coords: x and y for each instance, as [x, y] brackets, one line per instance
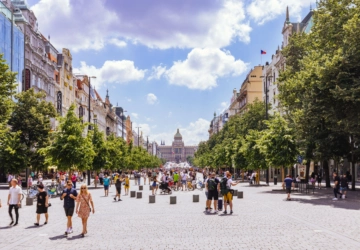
[225, 185]
[213, 187]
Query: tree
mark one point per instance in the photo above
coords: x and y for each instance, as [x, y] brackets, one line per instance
[278, 144]
[190, 160]
[70, 149]
[31, 120]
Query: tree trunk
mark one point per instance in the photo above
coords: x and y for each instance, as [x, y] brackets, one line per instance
[326, 173]
[282, 174]
[307, 170]
[95, 174]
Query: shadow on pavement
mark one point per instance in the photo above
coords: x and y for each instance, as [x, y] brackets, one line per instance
[31, 227]
[59, 237]
[7, 227]
[75, 237]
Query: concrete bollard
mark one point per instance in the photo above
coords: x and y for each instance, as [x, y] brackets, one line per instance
[152, 198]
[29, 201]
[172, 199]
[196, 198]
[240, 195]
[140, 188]
[138, 195]
[132, 194]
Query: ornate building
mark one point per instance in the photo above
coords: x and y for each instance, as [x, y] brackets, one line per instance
[177, 152]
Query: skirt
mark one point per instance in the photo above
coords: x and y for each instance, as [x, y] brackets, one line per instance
[41, 210]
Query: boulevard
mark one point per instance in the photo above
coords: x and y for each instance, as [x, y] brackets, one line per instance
[263, 219]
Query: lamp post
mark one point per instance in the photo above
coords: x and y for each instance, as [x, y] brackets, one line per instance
[138, 136]
[122, 123]
[89, 128]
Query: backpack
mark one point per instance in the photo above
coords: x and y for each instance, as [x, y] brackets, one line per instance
[223, 186]
[211, 185]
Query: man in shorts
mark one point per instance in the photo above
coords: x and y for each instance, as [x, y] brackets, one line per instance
[288, 183]
[69, 196]
[212, 186]
[229, 195]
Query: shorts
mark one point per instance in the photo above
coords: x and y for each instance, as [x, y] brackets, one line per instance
[343, 188]
[106, 187]
[288, 190]
[213, 195]
[126, 186]
[228, 197]
[118, 190]
[69, 211]
[183, 182]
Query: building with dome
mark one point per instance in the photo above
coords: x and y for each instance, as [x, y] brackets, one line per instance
[177, 151]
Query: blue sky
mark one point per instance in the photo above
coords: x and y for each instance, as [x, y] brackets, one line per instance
[170, 64]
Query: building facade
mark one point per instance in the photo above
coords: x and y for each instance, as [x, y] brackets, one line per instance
[12, 42]
[177, 152]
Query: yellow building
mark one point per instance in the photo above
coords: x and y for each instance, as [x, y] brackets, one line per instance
[251, 89]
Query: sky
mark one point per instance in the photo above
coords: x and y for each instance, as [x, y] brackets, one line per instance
[169, 63]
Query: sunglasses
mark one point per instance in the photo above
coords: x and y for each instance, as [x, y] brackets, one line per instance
[83, 188]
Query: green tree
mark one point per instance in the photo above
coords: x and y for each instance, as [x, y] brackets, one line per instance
[70, 149]
[31, 120]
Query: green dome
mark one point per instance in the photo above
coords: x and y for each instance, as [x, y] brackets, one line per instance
[178, 135]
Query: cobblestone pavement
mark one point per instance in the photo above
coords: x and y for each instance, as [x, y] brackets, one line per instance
[262, 220]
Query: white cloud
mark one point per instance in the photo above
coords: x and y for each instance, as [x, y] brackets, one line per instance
[157, 72]
[203, 67]
[144, 129]
[117, 42]
[151, 98]
[135, 115]
[112, 72]
[265, 10]
[128, 99]
[224, 106]
[156, 24]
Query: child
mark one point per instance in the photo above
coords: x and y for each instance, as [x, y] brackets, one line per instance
[127, 185]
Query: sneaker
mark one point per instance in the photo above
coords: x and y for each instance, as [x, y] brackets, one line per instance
[225, 212]
[231, 212]
[70, 231]
[335, 199]
[119, 199]
[216, 211]
[114, 199]
[343, 197]
[12, 222]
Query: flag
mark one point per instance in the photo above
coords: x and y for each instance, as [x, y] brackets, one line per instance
[263, 52]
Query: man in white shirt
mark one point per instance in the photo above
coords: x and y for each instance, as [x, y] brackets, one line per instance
[183, 181]
[14, 199]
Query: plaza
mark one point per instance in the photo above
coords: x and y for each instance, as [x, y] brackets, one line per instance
[261, 220]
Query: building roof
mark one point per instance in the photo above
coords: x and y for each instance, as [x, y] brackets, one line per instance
[178, 135]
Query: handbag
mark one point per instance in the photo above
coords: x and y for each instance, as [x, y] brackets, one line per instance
[86, 202]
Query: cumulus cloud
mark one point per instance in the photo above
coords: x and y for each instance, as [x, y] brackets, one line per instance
[112, 72]
[117, 42]
[151, 98]
[144, 128]
[135, 115]
[265, 10]
[157, 72]
[202, 68]
[156, 24]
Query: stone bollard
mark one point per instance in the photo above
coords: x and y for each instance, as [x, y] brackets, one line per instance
[140, 188]
[138, 195]
[196, 198]
[240, 195]
[172, 199]
[29, 201]
[152, 198]
[235, 192]
[132, 194]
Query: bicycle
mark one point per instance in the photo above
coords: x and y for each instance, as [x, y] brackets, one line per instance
[31, 192]
[199, 184]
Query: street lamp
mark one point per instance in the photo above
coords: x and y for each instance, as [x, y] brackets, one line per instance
[266, 113]
[138, 136]
[122, 123]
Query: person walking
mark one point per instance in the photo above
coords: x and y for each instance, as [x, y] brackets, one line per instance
[29, 182]
[42, 204]
[144, 175]
[228, 192]
[83, 208]
[14, 199]
[69, 196]
[343, 186]
[336, 186]
[107, 183]
[213, 187]
[127, 184]
[101, 178]
[74, 179]
[118, 183]
[319, 179]
[183, 181]
[154, 185]
[9, 179]
[288, 183]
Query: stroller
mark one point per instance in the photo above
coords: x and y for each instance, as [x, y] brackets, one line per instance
[164, 187]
